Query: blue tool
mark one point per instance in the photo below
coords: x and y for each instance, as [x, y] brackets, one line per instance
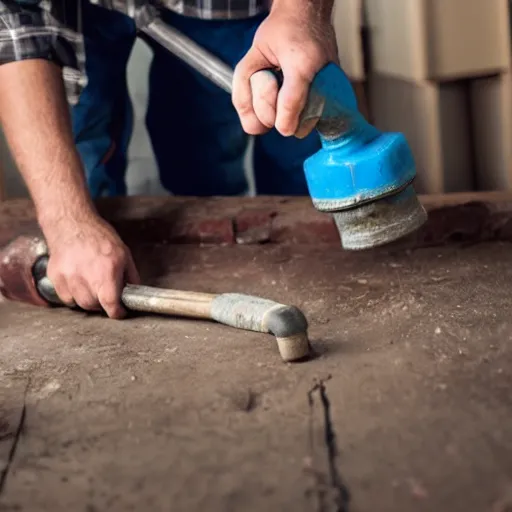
[361, 175]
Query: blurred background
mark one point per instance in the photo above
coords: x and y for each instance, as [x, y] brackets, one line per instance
[437, 70]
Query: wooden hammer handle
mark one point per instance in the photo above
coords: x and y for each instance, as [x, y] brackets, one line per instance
[235, 309]
[287, 323]
[168, 302]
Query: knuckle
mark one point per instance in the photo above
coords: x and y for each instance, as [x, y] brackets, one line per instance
[64, 295]
[112, 264]
[55, 276]
[86, 302]
[88, 305]
[54, 270]
[117, 259]
[289, 104]
[243, 106]
[267, 95]
[108, 296]
[241, 70]
[238, 71]
[107, 247]
[69, 272]
[308, 61]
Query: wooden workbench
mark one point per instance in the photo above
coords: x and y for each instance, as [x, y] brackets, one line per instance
[406, 406]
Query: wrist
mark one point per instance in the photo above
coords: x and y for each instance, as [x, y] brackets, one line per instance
[318, 9]
[65, 209]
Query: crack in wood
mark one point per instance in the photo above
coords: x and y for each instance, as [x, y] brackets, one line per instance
[4, 473]
[333, 486]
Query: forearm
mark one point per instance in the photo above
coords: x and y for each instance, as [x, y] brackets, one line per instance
[35, 117]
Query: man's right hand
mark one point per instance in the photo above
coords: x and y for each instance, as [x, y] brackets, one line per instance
[89, 264]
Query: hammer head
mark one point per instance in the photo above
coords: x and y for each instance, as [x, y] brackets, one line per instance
[287, 323]
[17, 261]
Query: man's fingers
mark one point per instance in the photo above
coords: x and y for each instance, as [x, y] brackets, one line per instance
[111, 290]
[82, 294]
[60, 284]
[132, 274]
[242, 94]
[291, 101]
[62, 291]
[264, 89]
[109, 296]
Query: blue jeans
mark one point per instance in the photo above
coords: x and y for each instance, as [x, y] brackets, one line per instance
[195, 132]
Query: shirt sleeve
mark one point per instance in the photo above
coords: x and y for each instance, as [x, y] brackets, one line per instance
[50, 30]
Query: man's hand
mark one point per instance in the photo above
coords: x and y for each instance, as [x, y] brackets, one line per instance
[89, 264]
[298, 38]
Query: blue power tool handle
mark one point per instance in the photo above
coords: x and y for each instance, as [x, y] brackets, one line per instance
[340, 102]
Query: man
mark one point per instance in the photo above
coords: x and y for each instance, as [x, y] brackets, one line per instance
[42, 58]
[103, 118]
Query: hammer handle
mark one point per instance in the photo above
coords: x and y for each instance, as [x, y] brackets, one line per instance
[167, 302]
[234, 309]
[148, 299]
[286, 323]
[137, 297]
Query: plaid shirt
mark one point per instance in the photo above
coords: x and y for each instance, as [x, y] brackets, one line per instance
[51, 30]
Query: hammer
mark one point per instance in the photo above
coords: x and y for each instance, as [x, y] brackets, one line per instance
[362, 176]
[23, 278]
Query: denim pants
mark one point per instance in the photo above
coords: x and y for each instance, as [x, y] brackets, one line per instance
[195, 132]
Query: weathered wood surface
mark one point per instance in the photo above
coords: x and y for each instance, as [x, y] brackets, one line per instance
[156, 413]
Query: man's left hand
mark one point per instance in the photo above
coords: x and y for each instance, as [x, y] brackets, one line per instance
[297, 38]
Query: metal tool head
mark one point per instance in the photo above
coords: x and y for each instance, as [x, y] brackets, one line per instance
[362, 175]
[17, 260]
[287, 323]
[368, 189]
[382, 221]
[290, 327]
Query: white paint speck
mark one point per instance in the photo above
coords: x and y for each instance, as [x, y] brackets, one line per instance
[48, 389]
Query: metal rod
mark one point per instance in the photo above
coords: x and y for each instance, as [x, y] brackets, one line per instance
[190, 52]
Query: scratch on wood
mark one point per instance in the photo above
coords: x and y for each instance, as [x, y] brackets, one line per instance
[17, 437]
[333, 486]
